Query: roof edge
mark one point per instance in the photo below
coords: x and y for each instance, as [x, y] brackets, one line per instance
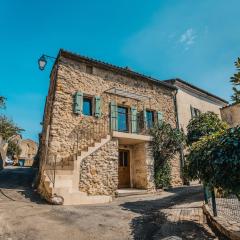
[126, 71]
[196, 88]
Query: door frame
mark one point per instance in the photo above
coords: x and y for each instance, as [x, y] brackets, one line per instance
[128, 148]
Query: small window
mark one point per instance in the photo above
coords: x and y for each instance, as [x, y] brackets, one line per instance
[89, 69]
[123, 158]
[195, 112]
[87, 106]
[150, 118]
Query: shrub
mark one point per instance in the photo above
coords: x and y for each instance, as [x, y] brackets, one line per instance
[215, 159]
[204, 125]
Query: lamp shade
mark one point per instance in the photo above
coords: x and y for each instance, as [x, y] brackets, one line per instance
[42, 62]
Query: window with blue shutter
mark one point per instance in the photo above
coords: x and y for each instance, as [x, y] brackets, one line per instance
[78, 103]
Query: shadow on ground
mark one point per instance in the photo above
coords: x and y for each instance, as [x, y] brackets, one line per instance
[16, 184]
[153, 223]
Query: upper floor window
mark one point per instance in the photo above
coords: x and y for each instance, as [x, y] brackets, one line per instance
[150, 118]
[87, 106]
[89, 69]
[122, 115]
[194, 112]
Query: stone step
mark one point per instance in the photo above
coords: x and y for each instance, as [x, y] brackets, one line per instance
[78, 199]
[130, 192]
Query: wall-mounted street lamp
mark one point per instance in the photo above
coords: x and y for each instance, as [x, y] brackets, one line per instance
[42, 61]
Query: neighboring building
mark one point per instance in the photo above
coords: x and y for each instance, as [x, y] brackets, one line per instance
[231, 114]
[95, 130]
[192, 100]
[29, 150]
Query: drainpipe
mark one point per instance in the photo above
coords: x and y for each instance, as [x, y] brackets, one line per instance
[178, 126]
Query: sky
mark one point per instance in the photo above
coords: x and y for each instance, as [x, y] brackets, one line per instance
[197, 41]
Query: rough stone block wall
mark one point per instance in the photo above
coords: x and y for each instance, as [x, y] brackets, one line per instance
[99, 172]
[176, 171]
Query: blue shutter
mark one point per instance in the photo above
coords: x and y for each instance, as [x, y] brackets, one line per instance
[113, 110]
[78, 102]
[97, 106]
[159, 117]
[145, 118]
[134, 119]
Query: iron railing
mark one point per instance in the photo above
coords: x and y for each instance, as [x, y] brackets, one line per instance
[85, 135]
[129, 123]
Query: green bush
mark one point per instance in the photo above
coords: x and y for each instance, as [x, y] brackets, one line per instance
[215, 159]
[204, 125]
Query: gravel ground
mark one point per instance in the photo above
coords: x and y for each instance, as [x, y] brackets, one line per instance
[23, 215]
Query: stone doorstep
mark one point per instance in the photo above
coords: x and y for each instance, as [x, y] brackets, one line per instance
[124, 192]
[223, 226]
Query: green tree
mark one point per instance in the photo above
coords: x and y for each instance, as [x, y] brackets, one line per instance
[13, 149]
[166, 142]
[2, 102]
[8, 128]
[204, 125]
[235, 80]
[215, 159]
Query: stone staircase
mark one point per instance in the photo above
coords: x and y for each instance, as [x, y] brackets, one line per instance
[66, 179]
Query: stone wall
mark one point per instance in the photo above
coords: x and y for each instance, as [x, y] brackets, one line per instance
[99, 171]
[72, 77]
[231, 114]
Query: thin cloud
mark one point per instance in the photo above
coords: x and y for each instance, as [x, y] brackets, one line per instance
[188, 38]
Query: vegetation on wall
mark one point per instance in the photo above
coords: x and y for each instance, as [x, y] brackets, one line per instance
[166, 142]
[204, 125]
[235, 80]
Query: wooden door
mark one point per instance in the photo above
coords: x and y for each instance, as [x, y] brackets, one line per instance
[124, 169]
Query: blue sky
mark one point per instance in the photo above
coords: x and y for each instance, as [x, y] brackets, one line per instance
[197, 41]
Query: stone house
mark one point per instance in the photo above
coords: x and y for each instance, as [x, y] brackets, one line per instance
[95, 137]
[231, 114]
[29, 150]
[192, 100]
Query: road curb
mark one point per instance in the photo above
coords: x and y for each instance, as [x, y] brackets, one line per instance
[220, 225]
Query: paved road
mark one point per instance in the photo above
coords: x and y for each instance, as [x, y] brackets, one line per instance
[23, 215]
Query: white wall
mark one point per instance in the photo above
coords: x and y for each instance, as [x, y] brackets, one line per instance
[186, 99]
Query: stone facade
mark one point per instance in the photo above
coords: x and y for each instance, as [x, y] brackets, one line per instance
[231, 114]
[99, 171]
[98, 174]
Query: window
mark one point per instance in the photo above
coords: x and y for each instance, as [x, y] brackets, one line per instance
[123, 158]
[122, 113]
[89, 69]
[87, 106]
[195, 112]
[150, 118]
